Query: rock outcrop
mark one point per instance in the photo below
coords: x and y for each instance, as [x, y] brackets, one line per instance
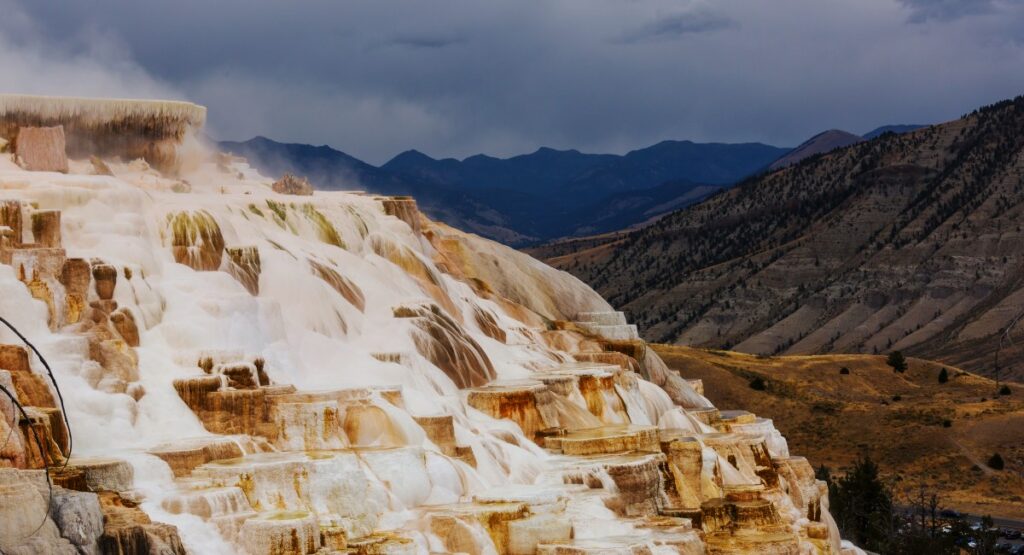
[41, 149]
[291, 185]
[127, 129]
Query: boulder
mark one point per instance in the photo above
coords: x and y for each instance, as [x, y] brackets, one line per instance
[24, 524]
[42, 149]
[124, 322]
[291, 185]
[105, 277]
[99, 167]
[79, 518]
[104, 474]
[127, 529]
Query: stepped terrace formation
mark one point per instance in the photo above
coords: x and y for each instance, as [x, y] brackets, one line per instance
[128, 129]
[246, 371]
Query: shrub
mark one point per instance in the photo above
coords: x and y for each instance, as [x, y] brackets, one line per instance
[1005, 390]
[897, 361]
[995, 462]
[947, 423]
[943, 376]
[844, 370]
[758, 384]
[897, 398]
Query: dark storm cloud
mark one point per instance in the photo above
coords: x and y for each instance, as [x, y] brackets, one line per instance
[426, 41]
[456, 77]
[677, 25]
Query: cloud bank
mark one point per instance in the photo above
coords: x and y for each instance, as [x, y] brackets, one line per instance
[457, 77]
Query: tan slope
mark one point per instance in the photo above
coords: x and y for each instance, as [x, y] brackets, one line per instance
[833, 418]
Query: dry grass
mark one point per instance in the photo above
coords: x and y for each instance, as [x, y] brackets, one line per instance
[832, 418]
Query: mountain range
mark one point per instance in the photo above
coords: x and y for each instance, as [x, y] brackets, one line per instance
[533, 197]
[549, 193]
[908, 242]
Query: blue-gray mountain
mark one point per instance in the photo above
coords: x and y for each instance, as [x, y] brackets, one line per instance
[533, 197]
[547, 194]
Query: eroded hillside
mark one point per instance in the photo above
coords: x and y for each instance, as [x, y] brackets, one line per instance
[906, 242]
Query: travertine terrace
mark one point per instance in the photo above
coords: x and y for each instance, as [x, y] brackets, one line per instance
[251, 372]
[109, 128]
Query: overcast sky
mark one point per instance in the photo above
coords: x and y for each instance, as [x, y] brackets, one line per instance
[453, 78]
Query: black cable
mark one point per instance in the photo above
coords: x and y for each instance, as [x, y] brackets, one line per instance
[42, 457]
[60, 397]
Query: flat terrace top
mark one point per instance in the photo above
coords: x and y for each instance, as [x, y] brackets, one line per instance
[100, 110]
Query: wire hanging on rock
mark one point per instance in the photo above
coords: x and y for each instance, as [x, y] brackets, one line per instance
[42, 455]
[53, 380]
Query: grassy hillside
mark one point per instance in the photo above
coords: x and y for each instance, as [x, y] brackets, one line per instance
[832, 418]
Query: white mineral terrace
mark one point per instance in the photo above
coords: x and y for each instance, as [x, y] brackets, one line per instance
[336, 374]
[97, 111]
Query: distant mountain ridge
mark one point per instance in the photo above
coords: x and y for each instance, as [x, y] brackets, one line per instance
[530, 173]
[532, 197]
[823, 142]
[827, 141]
[594, 175]
[897, 129]
[549, 193]
[332, 169]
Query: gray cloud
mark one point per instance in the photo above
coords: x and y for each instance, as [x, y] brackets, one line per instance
[427, 41]
[95, 65]
[677, 25]
[946, 10]
[457, 77]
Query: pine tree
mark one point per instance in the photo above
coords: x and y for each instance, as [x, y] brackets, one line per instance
[862, 506]
[995, 462]
[897, 361]
[943, 376]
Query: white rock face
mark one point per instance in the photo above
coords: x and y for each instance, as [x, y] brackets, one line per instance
[296, 383]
